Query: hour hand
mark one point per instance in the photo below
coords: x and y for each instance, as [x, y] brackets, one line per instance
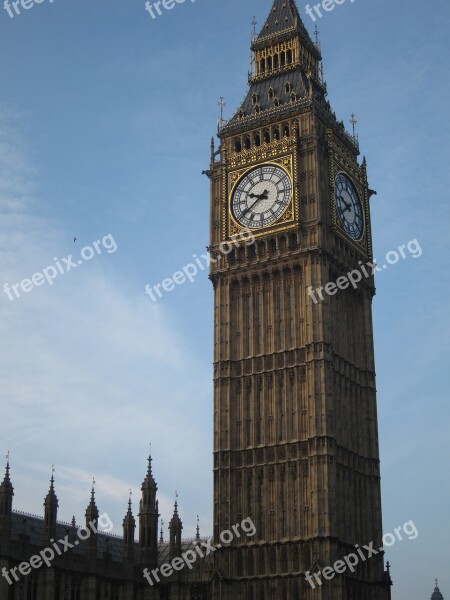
[348, 206]
[262, 196]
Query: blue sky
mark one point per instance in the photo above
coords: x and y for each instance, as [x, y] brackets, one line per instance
[105, 122]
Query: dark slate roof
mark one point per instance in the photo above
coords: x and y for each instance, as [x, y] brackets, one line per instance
[33, 527]
[299, 85]
[283, 15]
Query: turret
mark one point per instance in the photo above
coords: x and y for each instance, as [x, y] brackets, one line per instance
[50, 513]
[148, 520]
[129, 526]
[175, 529]
[6, 496]
[92, 515]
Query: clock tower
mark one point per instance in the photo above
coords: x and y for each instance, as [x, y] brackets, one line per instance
[295, 416]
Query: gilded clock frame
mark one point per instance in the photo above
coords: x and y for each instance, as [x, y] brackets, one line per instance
[282, 154]
[339, 163]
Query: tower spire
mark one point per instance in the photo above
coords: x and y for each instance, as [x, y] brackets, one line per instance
[51, 505]
[437, 592]
[197, 535]
[129, 527]
[175, 528]
[148, 518]
[6, 496]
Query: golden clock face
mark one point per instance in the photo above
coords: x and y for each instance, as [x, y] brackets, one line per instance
[262, 196]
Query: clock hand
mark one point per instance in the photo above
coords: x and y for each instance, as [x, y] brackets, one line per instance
[348, 206]
[262, 196]
[259, 197]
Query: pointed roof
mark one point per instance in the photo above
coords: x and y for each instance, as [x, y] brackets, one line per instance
[92, 510]
[6, 483]
[51, 498]
[149, 481]
[437, 593]
[129, 517]
[283, 16]
[197, 535]
[175, 521]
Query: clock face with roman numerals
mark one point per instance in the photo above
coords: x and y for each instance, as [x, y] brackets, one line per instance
[349, 207]
[261, 196]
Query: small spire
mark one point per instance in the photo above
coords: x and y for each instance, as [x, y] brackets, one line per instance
[6, 484]
[51, 496]
[437, 592]
[222, 105]
[74, 522]
[92, 509]
[161, 537]
[7, 467]
[197, 536]
[353, 122]
[316, 33]
[150, 460]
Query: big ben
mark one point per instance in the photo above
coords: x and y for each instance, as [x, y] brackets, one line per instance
[295, 414]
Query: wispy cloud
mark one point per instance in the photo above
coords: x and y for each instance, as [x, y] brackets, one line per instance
[91, 371]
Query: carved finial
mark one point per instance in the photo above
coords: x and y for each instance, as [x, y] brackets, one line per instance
[161, 537]
[197, 536]
[222, 105]
[316, 33]
[254, 24]
[354, 122]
